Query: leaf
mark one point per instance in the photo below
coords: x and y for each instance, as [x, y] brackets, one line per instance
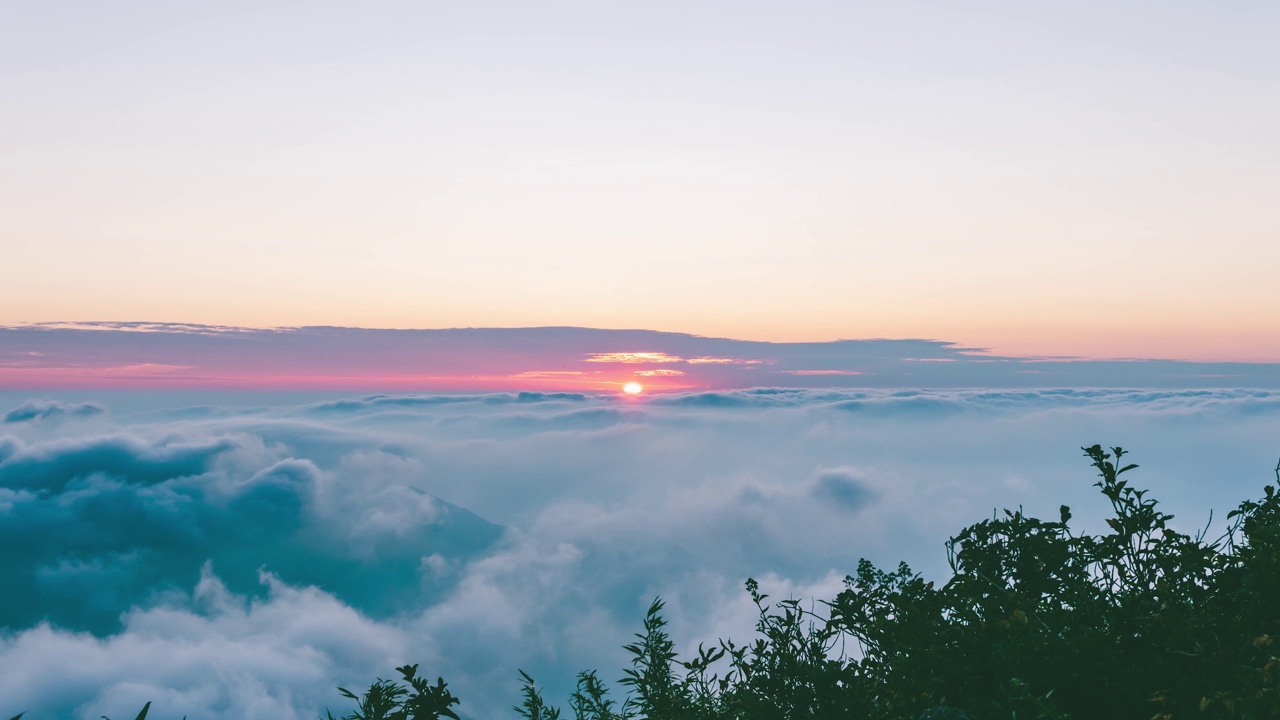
[143, 714]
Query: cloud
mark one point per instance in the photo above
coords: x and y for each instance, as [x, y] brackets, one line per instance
[845, 487]
[823, 372]
[723, 361]
[549, 374]
[51, 466]
[480, 533]
[216, 654]
[633, 358]
[385, 402]
[41, 410]
[94, 526]
[552, 359]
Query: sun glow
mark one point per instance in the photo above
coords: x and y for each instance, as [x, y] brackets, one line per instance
[632, 388]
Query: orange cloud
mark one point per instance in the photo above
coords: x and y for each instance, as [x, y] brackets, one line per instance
[633, 358]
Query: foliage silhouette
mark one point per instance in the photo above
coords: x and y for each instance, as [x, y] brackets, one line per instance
[390, 700]
[590, 700]
[533, 708]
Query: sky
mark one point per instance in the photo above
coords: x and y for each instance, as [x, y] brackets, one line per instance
[1085, 178]
[239, 556]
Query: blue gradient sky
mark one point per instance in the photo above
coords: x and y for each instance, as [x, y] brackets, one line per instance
[1085, 178]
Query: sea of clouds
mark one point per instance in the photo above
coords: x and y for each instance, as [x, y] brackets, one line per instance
[240, 556]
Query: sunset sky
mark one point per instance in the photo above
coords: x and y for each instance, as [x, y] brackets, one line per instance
[336, 336]
[1093, 179]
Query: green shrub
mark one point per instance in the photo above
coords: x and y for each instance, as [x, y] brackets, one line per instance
[390, 700]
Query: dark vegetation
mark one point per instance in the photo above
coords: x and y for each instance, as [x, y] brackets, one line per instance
[1037, 623]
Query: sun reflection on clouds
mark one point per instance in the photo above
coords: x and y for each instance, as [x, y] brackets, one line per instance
[633, 358]
[660, 373]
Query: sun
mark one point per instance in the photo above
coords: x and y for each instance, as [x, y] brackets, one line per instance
[632, 388]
